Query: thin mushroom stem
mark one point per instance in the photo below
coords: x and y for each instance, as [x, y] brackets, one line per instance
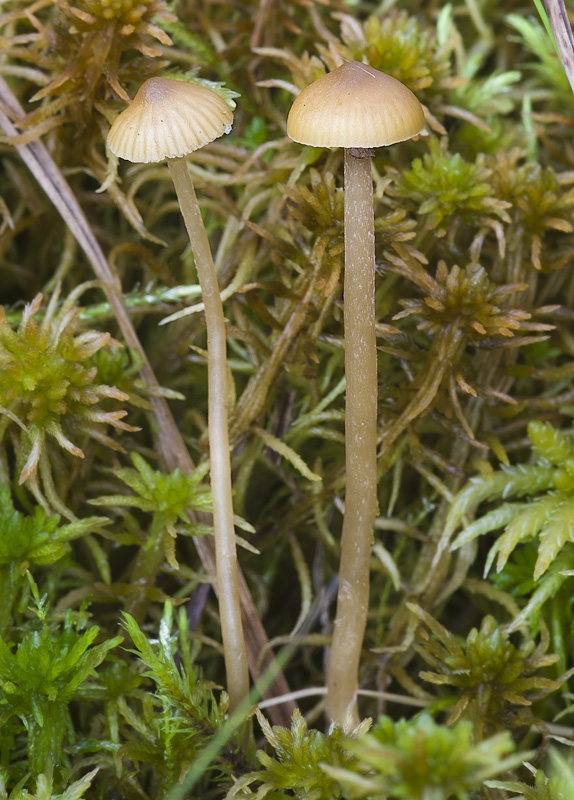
[360, 439]
[225, 549]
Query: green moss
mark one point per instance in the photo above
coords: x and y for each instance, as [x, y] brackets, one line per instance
[474, 297]
[420, 760]
[441, 185]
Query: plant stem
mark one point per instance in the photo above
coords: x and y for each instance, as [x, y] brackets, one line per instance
[360, 439]
[444, 352]
[144, 571]
[9, 575]
[225, 551]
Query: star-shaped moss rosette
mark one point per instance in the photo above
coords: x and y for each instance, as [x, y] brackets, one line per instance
[419, 759]
[461, 306]
[493, 679]
[541, 205]
[318, 209]
[299, 760]
[167, 498]
[49, 388]
[440, 186]
[28, 541]
[84, 57]
[40, 678]
[466, 298]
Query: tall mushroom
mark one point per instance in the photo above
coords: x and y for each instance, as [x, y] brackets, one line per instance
[169, 119]
[358, 108]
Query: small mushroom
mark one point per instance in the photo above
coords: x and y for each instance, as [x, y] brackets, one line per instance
[169, 119]
[358, 108]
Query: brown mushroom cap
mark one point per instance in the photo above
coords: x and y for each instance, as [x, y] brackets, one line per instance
[168, 119]
[355, 106]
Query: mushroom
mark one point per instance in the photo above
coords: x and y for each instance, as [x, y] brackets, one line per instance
[358, 108]
[169, 119]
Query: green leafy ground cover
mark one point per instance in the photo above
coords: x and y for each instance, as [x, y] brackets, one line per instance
[112, 680]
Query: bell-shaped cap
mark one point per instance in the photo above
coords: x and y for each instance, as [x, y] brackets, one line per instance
[168, 119]
[355, 106]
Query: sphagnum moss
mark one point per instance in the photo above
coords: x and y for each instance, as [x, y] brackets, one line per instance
[49, 389]
[484, 206]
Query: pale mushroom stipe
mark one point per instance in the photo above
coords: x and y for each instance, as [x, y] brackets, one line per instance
[358, 108]
[169, 119]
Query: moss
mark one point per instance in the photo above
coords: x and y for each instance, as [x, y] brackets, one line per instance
[474, 237]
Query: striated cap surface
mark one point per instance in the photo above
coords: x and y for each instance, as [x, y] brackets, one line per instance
[167, 119]
[355, 106]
